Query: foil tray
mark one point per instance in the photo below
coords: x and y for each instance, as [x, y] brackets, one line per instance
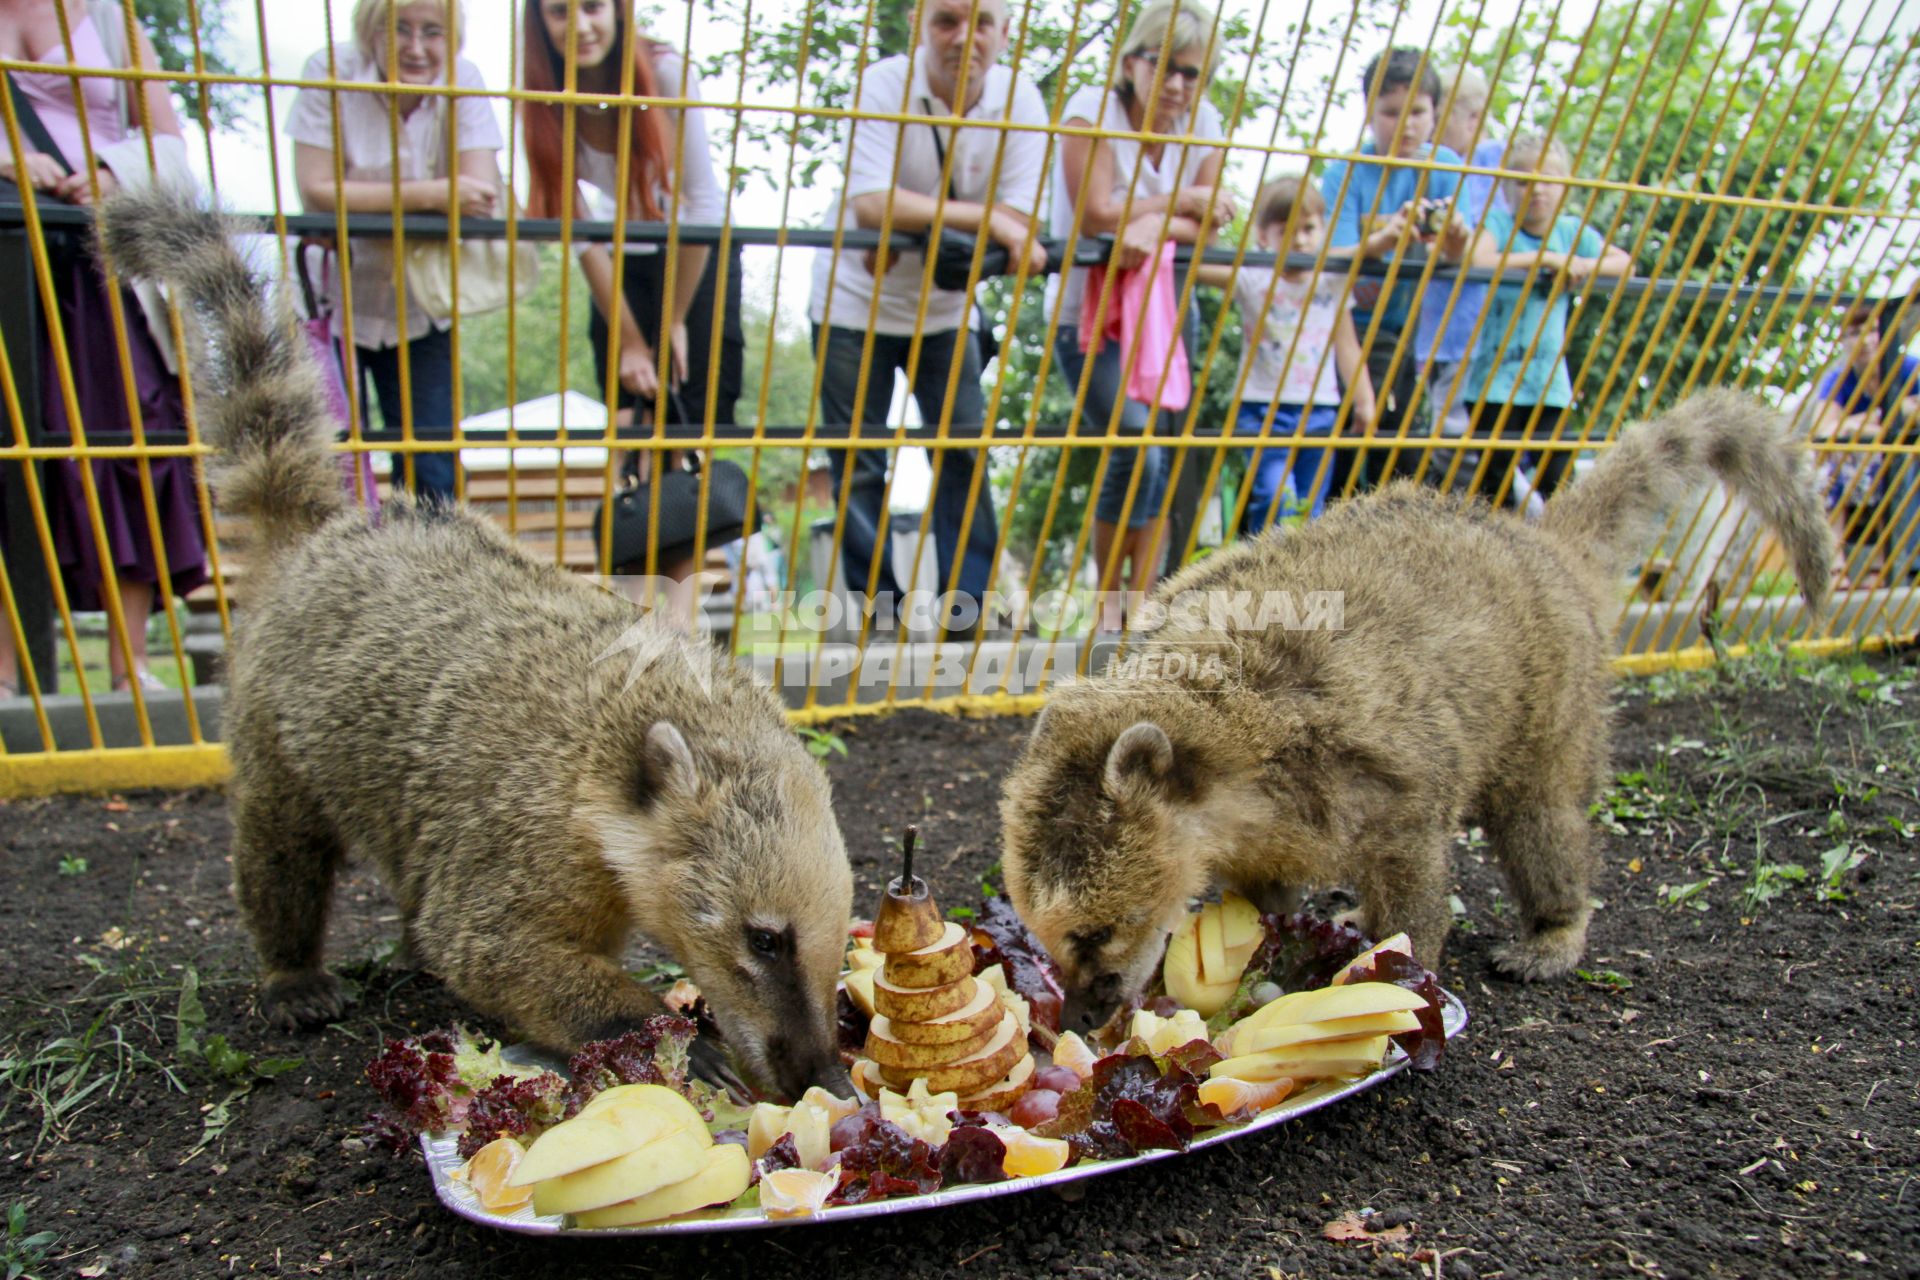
[442, 1161]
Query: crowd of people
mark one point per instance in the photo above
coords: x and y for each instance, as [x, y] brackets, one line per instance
[947, 135]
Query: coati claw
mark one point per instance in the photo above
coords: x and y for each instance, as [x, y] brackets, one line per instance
[709, 1060]
[296, 1000]
[1540, 957]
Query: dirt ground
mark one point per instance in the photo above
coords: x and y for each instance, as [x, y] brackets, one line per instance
[1732, 1089]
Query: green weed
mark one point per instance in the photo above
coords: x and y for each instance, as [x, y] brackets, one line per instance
[821, 743]
[24, 1253]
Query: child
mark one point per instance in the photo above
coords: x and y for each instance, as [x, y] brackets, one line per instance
[1378, 212]
[1518, 383]
[1291, 317]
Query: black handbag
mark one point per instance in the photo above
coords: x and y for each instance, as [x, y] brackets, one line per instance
[679, 522]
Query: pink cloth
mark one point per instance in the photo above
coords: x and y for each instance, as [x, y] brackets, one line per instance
[51, 93]
[1145, 314]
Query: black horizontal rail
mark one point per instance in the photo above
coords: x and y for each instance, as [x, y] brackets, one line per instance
[1087, 250]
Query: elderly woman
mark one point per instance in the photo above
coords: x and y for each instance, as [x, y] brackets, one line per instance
[100, 141]
[424, 35]
[1134, 190]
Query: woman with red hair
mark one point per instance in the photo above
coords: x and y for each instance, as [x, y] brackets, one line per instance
[670, 177]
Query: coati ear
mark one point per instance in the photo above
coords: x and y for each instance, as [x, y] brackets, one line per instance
[1142, 754]
[666, 766]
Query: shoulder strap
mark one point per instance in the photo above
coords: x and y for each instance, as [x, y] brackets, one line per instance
[31, 126]
[939, 144]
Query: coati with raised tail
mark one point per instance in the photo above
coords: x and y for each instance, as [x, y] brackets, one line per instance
[421, 693]
[1466, 683]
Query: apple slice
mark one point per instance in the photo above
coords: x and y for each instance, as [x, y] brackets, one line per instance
[982, 1013]
[674, 1158]
[1240, 927]
[723, 1178]
[1211, 946]
[811, 1129]
[972, 1073]
[1306, 1061]
[859, 984]
[594, 1137]
[659, 1096]
[1398, 942]
[766, 1125]
[947, 960]
[1185, 980]
[1324, 1004]
[903, 1004]
[1261, 1039]
[919, 1112]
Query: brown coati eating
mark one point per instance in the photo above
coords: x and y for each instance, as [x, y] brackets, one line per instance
[1465, 682]
[535, 768]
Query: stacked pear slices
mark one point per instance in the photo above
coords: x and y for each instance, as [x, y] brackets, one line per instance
[933, 1021]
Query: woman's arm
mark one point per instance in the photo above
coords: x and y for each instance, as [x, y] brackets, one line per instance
[1352, 364]
[313, 175]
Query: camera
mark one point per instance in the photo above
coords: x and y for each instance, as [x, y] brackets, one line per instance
[1432, 217]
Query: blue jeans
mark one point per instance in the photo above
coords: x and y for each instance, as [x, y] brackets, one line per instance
[1103, 391]
[1903, 508]
[953, 468]
[430, 372]
[1276, 470]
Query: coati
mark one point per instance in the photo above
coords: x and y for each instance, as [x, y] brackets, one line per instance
[533, 768]
[1466, 683]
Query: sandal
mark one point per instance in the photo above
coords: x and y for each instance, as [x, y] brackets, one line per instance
[149, 682]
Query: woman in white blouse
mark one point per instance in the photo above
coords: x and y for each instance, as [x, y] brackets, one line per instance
[1132, 190]
[670, 176]
[425, 34]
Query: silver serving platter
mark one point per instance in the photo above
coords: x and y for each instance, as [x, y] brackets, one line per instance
[457, 1196]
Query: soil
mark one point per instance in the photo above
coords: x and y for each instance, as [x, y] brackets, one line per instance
[1734, 1090]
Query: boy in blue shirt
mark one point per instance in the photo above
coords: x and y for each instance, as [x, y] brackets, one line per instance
[1518, 383]
[1382, 210]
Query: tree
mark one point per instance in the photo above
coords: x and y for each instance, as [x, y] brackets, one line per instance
[536, 346]
[178, 28]
[1778, 119]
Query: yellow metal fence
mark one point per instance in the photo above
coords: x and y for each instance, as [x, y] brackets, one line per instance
[1754, 161]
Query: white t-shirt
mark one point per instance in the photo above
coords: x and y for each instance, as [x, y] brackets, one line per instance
[1179, 167]
[367, 155]
[870, 167]
[703, 202]
[1311, 306]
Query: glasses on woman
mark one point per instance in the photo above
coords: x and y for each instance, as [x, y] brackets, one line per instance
[1185, 70]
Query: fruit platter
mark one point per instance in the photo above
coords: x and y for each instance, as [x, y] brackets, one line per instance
[963, 1084]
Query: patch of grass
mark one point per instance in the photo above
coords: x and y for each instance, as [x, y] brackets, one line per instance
[24, 1253]
[214, 1059]
[1770, 880]
[1836, 864]
[73, 865]
[1604, 979]
[1690, 895]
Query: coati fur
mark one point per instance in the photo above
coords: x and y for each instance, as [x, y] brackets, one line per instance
[1467, 684]
[535, 769]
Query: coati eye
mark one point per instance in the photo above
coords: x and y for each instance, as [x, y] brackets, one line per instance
[1091, 941]
[765, 942]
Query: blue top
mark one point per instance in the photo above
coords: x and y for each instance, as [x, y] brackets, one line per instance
[1479, 192]
[1842, 386]
[1391, 186]
[1501, 371]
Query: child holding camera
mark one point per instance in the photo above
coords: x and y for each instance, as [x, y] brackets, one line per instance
[1518, 382]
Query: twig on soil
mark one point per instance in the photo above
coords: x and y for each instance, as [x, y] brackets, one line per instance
[1787, 1217]
[978, 1253]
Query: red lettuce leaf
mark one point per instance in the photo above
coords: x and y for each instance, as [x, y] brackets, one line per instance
[653, 1053]
[1001, 937]
[973, 1153]
[417, 1081]
[1132, 1103]
[885, 1160]
[513, 1107]
[1423, 1047]
[784, 1154]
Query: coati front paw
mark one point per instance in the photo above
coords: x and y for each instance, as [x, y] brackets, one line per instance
[1549, 953]
[708, 1060]
[306, 999]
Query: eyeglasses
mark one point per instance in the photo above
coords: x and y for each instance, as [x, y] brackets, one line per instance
[1185, 70]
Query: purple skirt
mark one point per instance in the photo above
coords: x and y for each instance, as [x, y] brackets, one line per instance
[129, 551]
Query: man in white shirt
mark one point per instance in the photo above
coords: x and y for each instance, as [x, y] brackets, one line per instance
[894, 182]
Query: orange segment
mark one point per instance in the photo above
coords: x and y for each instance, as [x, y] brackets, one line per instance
[1028, 1156]
[487, 1173]
[796, 1193]
[1232, 1096]
[1071, 1052]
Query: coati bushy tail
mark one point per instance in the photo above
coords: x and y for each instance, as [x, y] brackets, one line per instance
[1615, 512]
[262, 405]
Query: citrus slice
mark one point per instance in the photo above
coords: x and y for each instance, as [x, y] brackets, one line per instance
[487, 1173]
